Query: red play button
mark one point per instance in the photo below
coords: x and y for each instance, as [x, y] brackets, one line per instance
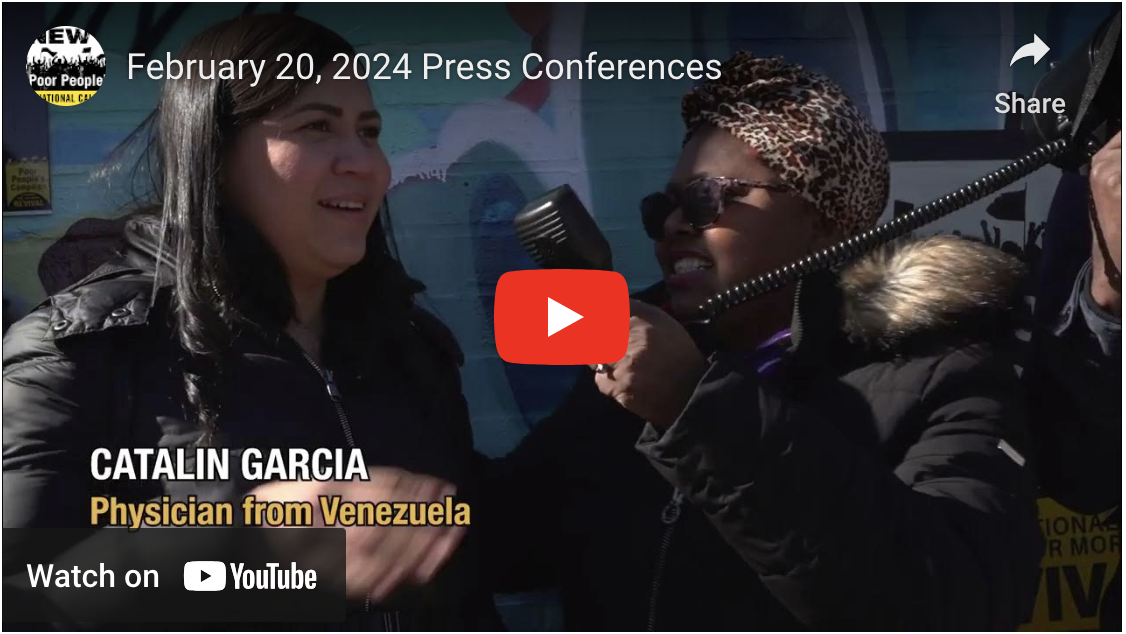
[561, 317]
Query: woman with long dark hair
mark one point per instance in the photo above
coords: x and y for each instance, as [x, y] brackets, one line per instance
[258, 306]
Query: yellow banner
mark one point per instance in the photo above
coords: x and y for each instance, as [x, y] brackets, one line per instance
[65, 97]
[1082, 554]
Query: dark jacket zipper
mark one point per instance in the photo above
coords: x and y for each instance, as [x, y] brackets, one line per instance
[671, 512]
[669, 515]
[334, 395]
[338, 403]
[797, 325]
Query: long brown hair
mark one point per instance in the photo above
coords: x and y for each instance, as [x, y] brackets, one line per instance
[225, 275]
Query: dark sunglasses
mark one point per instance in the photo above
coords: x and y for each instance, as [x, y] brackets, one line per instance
[701, 202]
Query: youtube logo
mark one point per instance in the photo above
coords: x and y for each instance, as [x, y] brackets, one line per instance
[205, 576]
[561, 317]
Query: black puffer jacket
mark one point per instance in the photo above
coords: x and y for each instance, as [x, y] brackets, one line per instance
[877, 480]
[96, 365]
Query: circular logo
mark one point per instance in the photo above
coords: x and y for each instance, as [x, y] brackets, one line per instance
[66, 65]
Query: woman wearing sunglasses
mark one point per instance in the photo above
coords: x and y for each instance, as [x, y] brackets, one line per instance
[843, 453]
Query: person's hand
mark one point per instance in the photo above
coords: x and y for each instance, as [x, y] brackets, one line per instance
[380, 558]
[660, 369]
[1106, 191]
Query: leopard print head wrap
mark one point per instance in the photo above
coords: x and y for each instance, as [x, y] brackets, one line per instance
[804, 128]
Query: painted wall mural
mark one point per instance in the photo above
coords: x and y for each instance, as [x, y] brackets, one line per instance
[466, 155]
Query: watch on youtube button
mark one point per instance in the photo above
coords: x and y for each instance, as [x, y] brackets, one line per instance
[561, 317]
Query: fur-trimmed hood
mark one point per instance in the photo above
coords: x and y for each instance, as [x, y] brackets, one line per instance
[923, 287]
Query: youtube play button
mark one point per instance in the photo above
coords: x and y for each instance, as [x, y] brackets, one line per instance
[561, 317]
[205, 576]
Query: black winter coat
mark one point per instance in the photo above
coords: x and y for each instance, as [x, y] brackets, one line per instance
[97, 365]
[877, 480]
[1074, 385]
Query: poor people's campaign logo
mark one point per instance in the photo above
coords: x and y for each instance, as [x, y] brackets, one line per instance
[66, 65]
